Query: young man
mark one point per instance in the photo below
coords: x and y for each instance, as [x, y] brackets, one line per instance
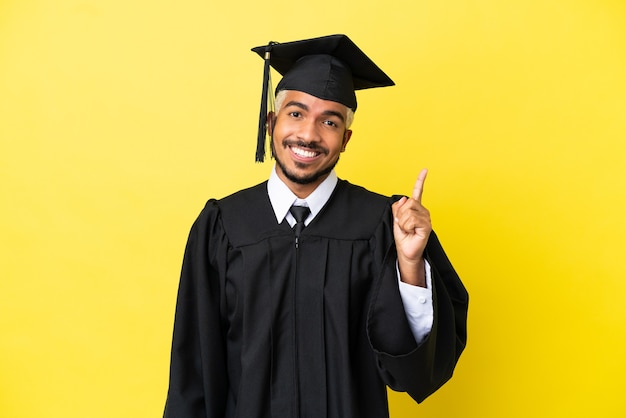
[305, 296]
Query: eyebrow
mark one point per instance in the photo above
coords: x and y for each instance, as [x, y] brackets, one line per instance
[325, 113]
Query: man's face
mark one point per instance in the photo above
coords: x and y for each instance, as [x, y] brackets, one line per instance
[307, 137]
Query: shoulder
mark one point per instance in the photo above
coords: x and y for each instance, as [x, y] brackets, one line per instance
[236, 202]
[359, 194]
[353, 212]
[244, 199]
[245, 216]
[359, 200]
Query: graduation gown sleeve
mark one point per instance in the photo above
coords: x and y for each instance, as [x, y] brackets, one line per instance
[198, 377]
[405, 366]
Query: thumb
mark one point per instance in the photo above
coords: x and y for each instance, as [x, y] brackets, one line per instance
[396, 207]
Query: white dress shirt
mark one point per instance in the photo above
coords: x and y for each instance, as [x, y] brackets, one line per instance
[417, 301]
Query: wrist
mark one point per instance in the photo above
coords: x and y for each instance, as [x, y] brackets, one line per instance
[412, 272]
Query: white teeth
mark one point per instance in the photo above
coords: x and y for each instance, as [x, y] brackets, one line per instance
[303, 153]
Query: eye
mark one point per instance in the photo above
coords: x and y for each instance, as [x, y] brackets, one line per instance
[295, 114]
[330, 123]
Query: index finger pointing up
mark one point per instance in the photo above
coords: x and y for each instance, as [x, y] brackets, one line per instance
[418, 189]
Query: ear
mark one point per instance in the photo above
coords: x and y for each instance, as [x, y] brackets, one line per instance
[346, 137]
[271, 120]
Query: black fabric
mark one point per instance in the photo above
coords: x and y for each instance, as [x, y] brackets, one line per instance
[264, 329]
[322, 76]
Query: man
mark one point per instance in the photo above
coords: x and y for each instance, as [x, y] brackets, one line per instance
[305, 296]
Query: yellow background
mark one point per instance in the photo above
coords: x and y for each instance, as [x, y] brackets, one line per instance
[119, 118]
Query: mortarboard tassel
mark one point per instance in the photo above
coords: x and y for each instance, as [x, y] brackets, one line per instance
[266, 97]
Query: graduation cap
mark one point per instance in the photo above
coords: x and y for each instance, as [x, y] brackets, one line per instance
[330, 68]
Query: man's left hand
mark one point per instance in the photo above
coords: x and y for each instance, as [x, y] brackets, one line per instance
[411, 229]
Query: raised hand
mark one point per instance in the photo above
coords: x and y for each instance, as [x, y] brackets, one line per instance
[412, 227]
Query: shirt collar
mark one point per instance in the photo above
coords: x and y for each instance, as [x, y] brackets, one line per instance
[282, 198]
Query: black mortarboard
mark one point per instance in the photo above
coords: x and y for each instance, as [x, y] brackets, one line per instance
[330, 68]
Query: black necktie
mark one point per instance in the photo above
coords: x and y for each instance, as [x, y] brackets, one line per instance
[299, 213]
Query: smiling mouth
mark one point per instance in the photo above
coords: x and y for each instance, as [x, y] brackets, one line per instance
[304, 152]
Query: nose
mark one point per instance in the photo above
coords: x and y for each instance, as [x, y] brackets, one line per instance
[308, 131]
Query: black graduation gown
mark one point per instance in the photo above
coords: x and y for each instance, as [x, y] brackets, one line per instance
[264, 329]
